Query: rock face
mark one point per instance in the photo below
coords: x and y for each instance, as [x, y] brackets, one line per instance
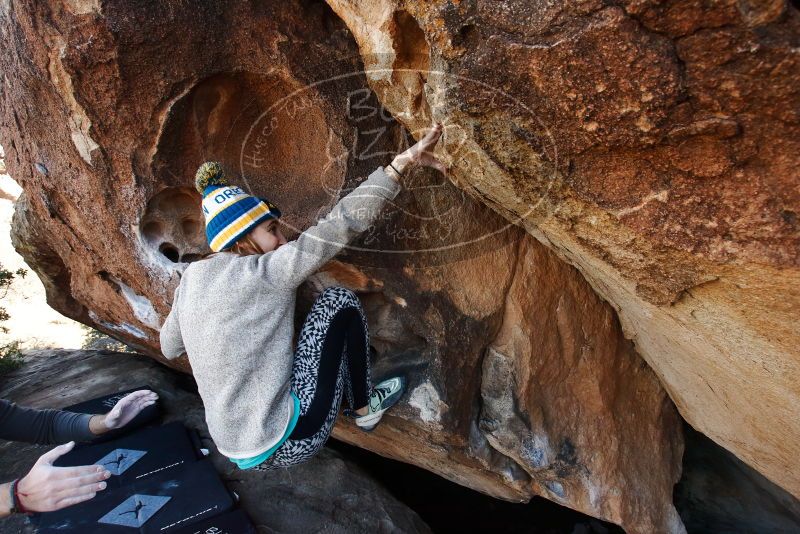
[329, 493]
[650, 146]
[655, 147]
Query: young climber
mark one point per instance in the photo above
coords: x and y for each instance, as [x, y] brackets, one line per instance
[267, 405]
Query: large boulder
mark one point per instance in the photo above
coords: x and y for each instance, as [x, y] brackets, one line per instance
[655, 146]
[610, 136]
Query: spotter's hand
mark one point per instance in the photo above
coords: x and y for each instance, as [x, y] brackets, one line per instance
[129, 407]
[47, 487]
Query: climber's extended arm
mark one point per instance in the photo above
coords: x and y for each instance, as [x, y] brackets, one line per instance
[289, 265]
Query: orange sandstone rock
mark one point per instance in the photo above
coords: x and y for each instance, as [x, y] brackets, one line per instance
[653, 148]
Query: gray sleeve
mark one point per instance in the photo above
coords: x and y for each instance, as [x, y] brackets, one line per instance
[19, 423]
[170, 335]
[288, 266]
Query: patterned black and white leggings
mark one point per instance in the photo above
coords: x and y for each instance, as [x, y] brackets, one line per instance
[332, 357]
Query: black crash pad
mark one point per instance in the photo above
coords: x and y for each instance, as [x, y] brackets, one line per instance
[140, 454]
[235, 522]
[157, 504]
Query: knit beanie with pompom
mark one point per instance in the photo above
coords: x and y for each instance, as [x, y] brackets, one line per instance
[230, 213]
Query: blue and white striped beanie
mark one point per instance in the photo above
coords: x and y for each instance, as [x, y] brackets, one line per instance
[229, 212]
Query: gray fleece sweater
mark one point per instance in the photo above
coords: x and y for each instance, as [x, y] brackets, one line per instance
[233, 317]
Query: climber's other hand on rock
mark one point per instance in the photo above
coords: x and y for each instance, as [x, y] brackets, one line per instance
[425, 148]
[421, 153]
[124, 411]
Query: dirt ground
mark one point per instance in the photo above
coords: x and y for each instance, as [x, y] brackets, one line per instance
[33, 323]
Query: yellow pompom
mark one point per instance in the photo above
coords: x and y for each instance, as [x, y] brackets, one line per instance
[209, 173]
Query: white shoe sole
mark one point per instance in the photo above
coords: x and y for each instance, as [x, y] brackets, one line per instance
[368, 422]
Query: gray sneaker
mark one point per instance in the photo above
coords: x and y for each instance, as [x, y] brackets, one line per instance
[384, 396]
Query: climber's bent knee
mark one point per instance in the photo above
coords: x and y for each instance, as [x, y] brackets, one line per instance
[339, 297]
